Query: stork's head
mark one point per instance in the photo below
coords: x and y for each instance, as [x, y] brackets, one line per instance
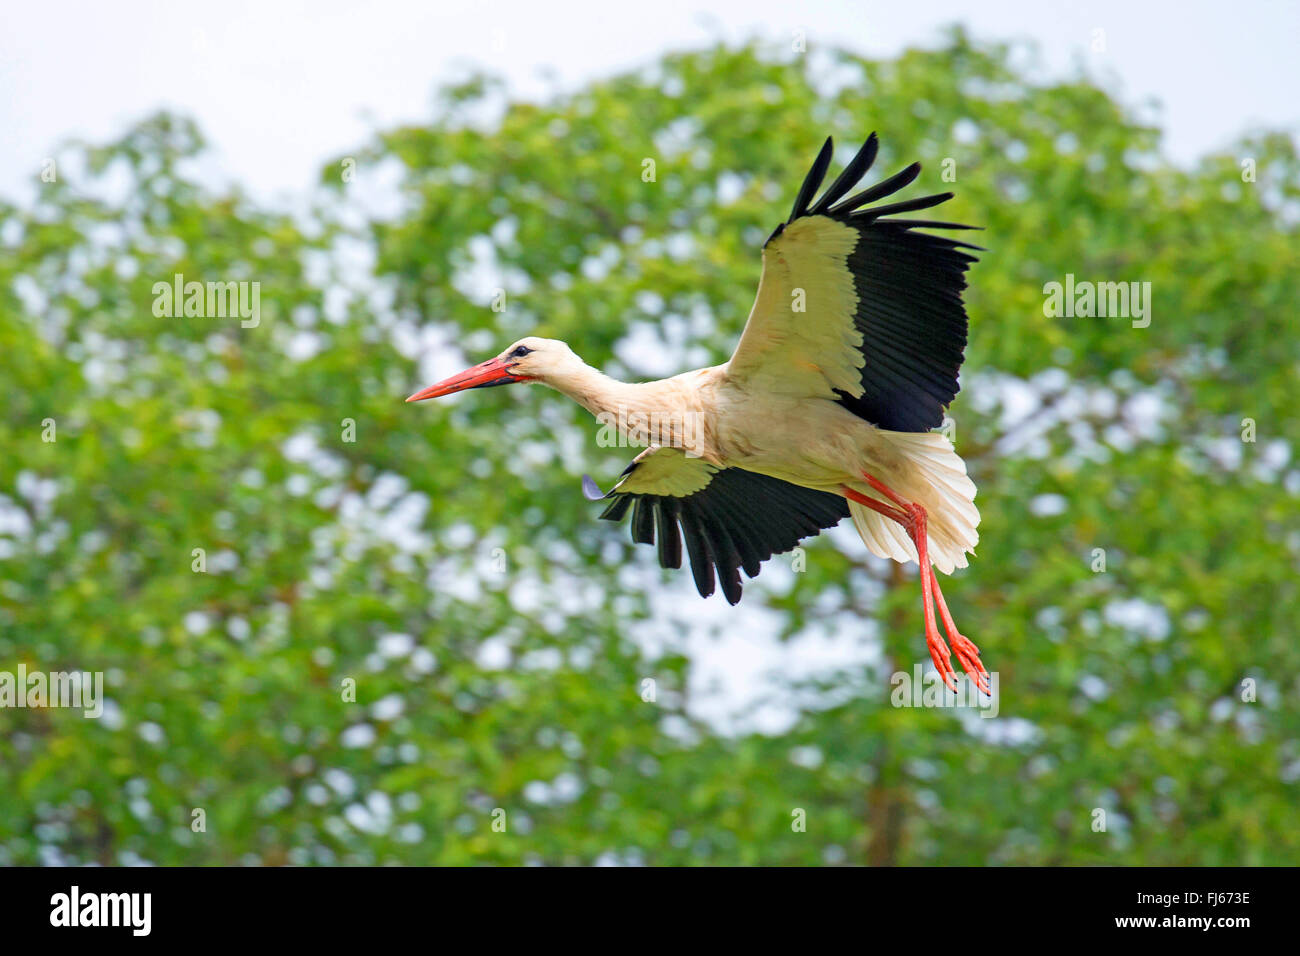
[531, 359]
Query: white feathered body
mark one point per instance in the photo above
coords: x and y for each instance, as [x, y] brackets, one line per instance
[811, 442]
[820, 444]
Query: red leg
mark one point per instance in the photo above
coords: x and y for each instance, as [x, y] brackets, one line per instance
[888, 492]
[913, 518]
[938, 649]
[875, 505]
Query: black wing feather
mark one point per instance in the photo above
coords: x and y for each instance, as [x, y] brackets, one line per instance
[909, 287]
[735, 522]
[849, 178]
[670, 540]
[723, 550]
[698, 549]
[907, 205]
[913, 327]
[617, 508]
[886, 187]
[643, 528]
[812, 181]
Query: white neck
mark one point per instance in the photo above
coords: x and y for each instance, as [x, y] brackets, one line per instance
[669, 412]
[596, 391]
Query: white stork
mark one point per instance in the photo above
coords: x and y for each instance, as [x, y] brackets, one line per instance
[848, 359]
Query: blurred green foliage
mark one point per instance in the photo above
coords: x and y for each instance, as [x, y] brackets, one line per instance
[512, 678]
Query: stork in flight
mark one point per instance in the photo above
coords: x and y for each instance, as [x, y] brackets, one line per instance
[824, 411]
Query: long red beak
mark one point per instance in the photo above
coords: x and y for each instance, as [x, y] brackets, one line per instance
[484, 375]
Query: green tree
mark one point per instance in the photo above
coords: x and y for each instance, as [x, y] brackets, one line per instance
[441, 561]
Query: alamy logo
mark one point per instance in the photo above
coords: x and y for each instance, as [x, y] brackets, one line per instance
[921, 689]
[208, 300]
[134, 910]
[1123, 300]
[78, 689]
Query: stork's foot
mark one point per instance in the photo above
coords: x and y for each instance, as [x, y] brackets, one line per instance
[967, 653]
[942, 658]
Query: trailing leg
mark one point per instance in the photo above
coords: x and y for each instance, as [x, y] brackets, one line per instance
[913, 518]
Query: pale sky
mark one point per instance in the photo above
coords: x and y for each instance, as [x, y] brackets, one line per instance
[280, 87]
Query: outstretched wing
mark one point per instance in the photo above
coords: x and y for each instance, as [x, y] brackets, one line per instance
[859, 308]
[730, 518]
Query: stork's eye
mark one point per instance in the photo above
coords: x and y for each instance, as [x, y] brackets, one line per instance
[521, 351]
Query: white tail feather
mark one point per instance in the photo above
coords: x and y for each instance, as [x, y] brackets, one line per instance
[935, 479]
